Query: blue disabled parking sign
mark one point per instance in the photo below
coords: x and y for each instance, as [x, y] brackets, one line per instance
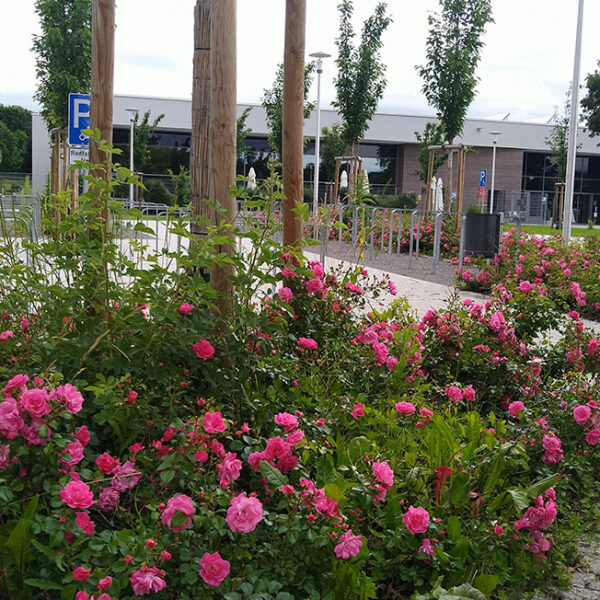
[79, 119]
[482, 177]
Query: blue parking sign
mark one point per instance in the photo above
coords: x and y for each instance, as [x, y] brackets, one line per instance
[482, 177]
[79, 118]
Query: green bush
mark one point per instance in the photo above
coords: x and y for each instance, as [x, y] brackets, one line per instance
[403, 200]
[156, 191]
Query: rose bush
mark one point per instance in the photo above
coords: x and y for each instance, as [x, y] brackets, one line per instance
[142, 454]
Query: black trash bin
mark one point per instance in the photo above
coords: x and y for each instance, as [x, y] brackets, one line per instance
[483, 234]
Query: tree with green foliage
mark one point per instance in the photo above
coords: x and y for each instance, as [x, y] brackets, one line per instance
[432, 135]
[360, 81]
[558, 140]
[272, 102]
[142, 135]
[590, 104]
[332, 144]
[181, 186]
[242, 133]
[15, 137]
[454, 46]
[63, 55]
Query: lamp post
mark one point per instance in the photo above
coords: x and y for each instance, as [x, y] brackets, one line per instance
[494, 135]
[132, 116]
[319, 56]
[572, 145]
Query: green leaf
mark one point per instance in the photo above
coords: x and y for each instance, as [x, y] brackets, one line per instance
[179, 518]
[232, 596]
[18, 540]
[144, 229]
[247, 588]
[167, 476]
[486, 583]
[463, 592]
[43, 584]
[358, 448]
[520, 498]
[537, 489]
[274, 476]
[333, 491]
[69, 592]
[453, 528]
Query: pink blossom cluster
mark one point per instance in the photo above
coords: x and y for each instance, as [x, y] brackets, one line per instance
[278, 453]
[536, 519]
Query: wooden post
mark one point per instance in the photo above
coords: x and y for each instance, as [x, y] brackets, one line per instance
[65, 165]
[428, 195]
[293, 119]
[74, 188]
[336, 183]
[101, 102]
[460, 183]
[199, 150]
[223, 134]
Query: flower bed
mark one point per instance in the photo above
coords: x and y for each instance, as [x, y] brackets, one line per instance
[537, 266]
[319, 445]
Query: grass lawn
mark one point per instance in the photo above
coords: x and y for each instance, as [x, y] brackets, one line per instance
[545, 230]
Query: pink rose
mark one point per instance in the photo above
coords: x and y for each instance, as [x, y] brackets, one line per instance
[213, 569]
[81, 574]
[203, 349]
[10, 420]
[81, 595]
[383, 473]
[369, 336]
[5, 335]
[453, 392]
[185, 309]
[416, 520]
[73, 453]
[229, 470]
[18, 382]
[286, 420]
[35, 402]
[314, 285]
[514, 408]
[86, 524]
[244, 514]
[593, 437]
[405, 408]
[307, 343]
[469, 393]
[105, 583]
[285, 294]
[358, 410]
[392, 287]
[147, 580]
[213, 422]
[77, 494]
[108, 499]
[70, 396]
[381, 351]
[83, 435]
[581, 414]
[106, 463]
[391, 363]
[348, 545]
[426, 547]
[592, 346]
[126, 476]
[178, 504]
[525, 287]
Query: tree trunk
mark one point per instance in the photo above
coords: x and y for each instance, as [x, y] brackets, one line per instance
[223, 135]
[199, 151]
[449, 183]
[293, 120]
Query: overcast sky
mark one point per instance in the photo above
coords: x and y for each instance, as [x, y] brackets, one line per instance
[525, 69]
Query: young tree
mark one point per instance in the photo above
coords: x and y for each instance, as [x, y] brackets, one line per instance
[360, 81]
[454, 46]
[63, 55]
[142, 133]
[332, 144]
[558, 140]
[432, 135]
[272, 102]
[590, 104]
[242, 132]
[15, 138]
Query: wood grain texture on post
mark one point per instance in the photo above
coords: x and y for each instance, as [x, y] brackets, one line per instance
[199, 150]
[293, 119]
[55, 173]
[101, 101]
[223, 133]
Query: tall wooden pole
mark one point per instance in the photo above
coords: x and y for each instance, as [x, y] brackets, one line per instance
[293, 119]
[199, 151]
[101, 102]
[223, 132]
[55, 172]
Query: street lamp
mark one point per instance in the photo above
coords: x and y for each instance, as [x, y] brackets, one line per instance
[132, 116]
[494, 135]
[319, 56]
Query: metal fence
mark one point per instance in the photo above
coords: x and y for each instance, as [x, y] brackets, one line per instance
[530, 208]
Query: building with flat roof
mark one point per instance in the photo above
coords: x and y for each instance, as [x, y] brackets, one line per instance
[524, 165]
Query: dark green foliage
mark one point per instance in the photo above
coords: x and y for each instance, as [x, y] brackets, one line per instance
[360, 81]
[454, 48]
[590, 104]
[142, 134]
[63, 55]
[332, 145]
[558, 140]
[13, 145]
[242, 133]
[432, 135]
[156, 191]
[181, 187]
[402, 200]
[273, 104]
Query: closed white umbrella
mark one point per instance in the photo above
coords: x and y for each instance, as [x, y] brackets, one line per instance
[251, 179]
[366, 189]
[439, 195]
[344, 179]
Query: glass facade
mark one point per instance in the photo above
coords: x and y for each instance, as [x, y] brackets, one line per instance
[540, 174]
